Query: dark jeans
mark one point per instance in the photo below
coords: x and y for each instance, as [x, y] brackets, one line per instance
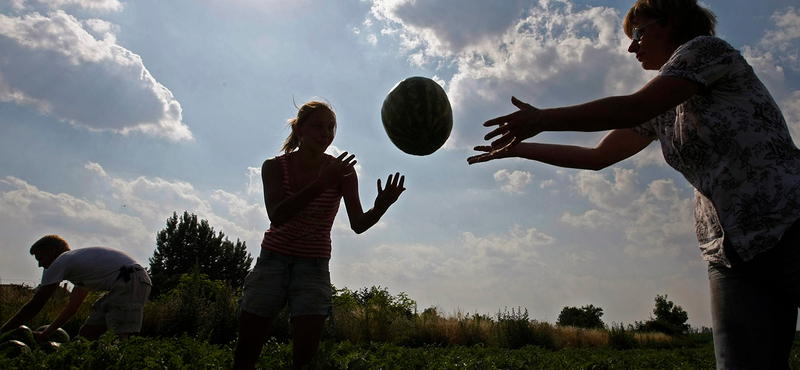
[754, 306]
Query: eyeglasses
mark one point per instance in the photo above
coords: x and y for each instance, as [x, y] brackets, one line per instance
[637, 32]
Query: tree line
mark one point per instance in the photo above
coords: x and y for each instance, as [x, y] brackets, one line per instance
[191, 246]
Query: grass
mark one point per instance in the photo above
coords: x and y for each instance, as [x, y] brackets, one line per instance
[208, 312]
[194, 328]
[189, 353]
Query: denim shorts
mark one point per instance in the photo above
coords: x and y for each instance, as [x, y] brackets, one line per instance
[276, 279]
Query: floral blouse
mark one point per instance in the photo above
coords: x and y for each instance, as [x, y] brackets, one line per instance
[731, 142]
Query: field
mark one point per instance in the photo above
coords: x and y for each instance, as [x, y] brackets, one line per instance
[189, 353]
[194, 327]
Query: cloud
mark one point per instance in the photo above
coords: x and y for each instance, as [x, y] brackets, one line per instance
[776, 53]
[55, 65]
[155, 199]
[788, 32]
[473, 257]
[654, 220]
[517, 268]
[443, 27]
[514, 182]
[91, 5]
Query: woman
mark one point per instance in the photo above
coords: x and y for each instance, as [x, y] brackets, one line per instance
[719, 126]
[302, 191]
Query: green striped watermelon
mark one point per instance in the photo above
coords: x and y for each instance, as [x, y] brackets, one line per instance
[23, 334]
[58, 336]
[48, 347]
[13, 349]
[416, 115]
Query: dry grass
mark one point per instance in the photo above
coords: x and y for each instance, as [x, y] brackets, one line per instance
[573, 337]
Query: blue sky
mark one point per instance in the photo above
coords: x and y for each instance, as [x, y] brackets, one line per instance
[115, 114]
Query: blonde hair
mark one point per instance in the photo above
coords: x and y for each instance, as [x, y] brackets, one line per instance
[52, 243]
[688, 18]
[303, 113]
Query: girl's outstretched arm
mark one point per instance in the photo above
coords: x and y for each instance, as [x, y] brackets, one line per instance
[361, 221]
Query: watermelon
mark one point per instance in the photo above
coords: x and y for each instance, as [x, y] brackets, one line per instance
[58, 336]
[22, 334]
[417, 116]
[48, 346]
[13, 348]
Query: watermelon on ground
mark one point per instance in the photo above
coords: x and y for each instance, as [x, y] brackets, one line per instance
[58, 336]
[417, 116]
[48, 346]
[13, 349]
[22, 334]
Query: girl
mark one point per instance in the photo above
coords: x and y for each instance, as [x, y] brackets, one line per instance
[302, 191]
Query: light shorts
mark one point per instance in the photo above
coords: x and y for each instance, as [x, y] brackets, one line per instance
[305, 283]
[122, 307]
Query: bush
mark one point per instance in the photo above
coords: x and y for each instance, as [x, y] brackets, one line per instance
[197, 307]
[516, 330]
[619, 338]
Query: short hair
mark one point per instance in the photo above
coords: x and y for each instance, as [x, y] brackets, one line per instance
[50, 242]
[688, 17]
[303, 113]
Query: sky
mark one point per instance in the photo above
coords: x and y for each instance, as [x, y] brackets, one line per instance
[115, 114]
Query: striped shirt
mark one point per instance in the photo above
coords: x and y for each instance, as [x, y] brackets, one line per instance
[308, 234]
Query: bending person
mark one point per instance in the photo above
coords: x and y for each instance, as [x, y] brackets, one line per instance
[124, 280]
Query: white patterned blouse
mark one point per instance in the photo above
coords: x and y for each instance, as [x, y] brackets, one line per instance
[731, 142]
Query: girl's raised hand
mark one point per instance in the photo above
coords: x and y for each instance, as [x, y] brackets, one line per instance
[388, 195]
[331, 174]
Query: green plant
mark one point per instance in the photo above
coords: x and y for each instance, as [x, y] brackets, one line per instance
[619, 338]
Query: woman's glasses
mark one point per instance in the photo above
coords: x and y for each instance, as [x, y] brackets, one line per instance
[637, 32]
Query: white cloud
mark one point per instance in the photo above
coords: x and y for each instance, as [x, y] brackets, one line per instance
[91, 5]
[604, 193]
[590, 219]
[655, 220]
[515, 182]
[776, 53]
[90, 83]
[788, 32]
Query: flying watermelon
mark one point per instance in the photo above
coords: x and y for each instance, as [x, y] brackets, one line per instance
[416, 115]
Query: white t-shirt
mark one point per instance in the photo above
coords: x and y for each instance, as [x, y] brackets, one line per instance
[92, 268]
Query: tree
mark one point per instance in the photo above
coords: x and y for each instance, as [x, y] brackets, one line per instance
[186, 243]
[587, 317]
[669, 318]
